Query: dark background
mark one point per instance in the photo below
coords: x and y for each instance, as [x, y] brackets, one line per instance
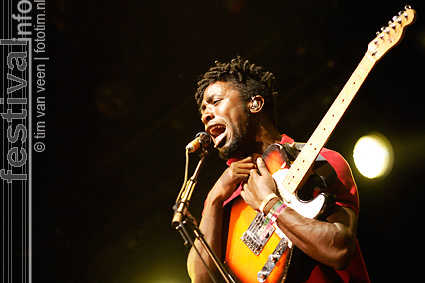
[120, 110]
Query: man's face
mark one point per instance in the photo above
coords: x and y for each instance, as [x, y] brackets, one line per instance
[226, 118]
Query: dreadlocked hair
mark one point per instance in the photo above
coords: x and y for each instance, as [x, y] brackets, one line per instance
[250, 80]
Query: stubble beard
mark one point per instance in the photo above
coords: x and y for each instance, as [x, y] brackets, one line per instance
[239, 144]
[230, 151]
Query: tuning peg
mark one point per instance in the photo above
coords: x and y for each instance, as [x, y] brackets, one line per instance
[407, 7]
[385, 29]
[396, 19]
[400, 13]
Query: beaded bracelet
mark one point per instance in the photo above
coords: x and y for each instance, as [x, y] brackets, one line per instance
[276, 209]
[271, 218]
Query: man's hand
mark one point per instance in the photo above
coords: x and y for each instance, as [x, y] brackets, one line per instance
[236, 173]
[212, 218]
[258, 186]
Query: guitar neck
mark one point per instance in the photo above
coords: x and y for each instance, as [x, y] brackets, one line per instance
[299, 169]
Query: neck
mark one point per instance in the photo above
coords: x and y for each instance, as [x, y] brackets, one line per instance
[265, 134]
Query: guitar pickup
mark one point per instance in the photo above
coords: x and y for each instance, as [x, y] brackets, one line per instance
[272, 260]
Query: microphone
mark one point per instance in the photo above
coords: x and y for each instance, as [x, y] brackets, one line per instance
[202, 140]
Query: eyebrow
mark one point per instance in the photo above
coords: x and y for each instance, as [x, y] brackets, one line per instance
[208, 101]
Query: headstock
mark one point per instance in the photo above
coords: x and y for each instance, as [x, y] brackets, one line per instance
[391, 35]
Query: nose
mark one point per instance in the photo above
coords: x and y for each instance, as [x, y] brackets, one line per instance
[207, 115]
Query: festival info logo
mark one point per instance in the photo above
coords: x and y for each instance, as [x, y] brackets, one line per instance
[15, 110]
[22, 110]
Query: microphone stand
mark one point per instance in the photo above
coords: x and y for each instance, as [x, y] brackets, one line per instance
[183, 218]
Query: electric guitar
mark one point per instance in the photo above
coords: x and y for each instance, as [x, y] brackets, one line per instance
[254, 258]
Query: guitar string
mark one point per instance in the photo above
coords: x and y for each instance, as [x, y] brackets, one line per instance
[328, 124]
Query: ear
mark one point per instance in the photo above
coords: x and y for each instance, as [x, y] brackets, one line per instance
[256, 104]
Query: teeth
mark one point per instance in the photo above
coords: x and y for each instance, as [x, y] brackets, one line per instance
[217, 130]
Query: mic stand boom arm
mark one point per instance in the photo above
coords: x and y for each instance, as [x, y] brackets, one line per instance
[183, 217]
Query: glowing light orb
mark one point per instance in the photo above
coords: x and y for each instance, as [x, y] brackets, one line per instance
[373, 156]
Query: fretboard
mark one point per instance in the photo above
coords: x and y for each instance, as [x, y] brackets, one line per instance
[299, 169]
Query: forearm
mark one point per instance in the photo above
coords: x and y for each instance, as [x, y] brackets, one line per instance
[211, 227]
[330, 243]
[212, 220]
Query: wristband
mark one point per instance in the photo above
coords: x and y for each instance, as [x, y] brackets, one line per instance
[271, 219]
[276, 209]
[266, 200]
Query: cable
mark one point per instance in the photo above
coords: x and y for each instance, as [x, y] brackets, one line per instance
[186, 170]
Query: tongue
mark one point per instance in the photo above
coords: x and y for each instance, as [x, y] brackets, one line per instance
[219, 139]
[218, 131]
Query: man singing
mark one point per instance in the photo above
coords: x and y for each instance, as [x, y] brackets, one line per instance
[236, 101]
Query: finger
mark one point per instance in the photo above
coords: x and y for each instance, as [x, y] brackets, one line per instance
[262, 166]
[246, 159]
[242, 194]
[241, 172]
[242, 177]
[254, 173]
[245, 162]
[245, 166]
[243, 191]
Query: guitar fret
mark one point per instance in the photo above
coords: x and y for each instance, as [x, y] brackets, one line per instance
[304, 161]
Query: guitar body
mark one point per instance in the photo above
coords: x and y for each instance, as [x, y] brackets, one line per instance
[242, 261]
[250, 258]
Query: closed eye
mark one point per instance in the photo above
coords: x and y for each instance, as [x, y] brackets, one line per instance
[216, 101]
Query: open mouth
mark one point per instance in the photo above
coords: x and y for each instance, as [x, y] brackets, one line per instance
[217, 132]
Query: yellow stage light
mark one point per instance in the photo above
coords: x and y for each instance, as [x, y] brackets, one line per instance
[373, 155]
